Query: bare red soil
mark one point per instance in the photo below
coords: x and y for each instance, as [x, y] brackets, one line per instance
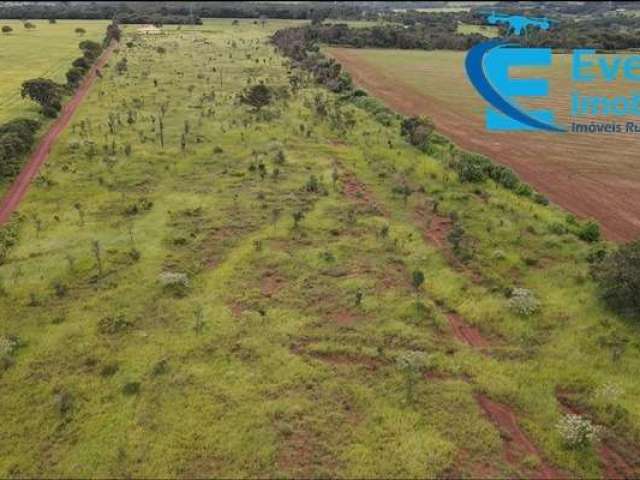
[574, 171]
[356, 191]
[465, 332]
[19, 188]
[517, 445]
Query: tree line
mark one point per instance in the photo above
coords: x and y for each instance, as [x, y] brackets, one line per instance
[18, 136]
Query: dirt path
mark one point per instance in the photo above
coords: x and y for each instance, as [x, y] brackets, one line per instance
[21, 184]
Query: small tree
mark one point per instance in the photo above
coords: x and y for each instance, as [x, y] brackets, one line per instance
[618, 276]
[417, 280]
[411, 364]
[97, 253]
[52, 21]
[80, 31]
[29, 25]
[6, 29]
[298, 215]
[257, 96]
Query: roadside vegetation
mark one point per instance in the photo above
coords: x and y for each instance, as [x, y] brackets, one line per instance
[235, 264]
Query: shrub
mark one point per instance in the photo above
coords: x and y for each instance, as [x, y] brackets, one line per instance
[74, 76]
[417, 131]
[618, 276]
[257, 96]
[589, 232]
[9, 344]
[523, 302]
[131, 388]
[112, 325]
[176, 283]
[411, 365]
[577, 431]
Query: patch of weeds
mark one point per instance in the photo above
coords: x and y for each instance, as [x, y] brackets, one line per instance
[131, 388]
[113, 324]
[109, 369]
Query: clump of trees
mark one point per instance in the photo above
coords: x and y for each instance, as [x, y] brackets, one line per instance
[618, 275]
[45, 92]
[6, 29]
[16, 138]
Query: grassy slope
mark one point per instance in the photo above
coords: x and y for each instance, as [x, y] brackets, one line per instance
[267, 367]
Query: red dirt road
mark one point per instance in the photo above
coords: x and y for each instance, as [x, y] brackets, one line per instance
[595, 177]
[21, 184]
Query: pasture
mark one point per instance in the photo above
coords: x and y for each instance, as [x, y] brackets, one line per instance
[589, 174]
[46, 51]
[201, 288]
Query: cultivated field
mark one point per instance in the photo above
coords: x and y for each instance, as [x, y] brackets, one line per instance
[200, 289]
[591, 175]
[46, 51]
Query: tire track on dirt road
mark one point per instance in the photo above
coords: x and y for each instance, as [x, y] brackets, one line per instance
[18, 189]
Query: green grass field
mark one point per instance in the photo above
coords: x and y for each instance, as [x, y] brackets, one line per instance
[46, 51]
[488, 31]
[243, 306]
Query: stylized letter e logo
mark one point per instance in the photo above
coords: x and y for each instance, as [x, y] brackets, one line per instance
[488, 66]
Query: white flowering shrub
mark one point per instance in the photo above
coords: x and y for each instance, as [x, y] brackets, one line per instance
[524, 302]
[169, 279]
[577, 431]
[9, 344]
[411, 361]
[175, 283]
[609, 392]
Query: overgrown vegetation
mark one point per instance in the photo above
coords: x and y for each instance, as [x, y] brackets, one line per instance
[202, 288]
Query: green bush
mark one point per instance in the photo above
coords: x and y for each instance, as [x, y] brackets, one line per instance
[618, 276]
[589, 232]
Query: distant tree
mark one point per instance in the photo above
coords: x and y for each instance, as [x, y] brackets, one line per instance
[161, 50]
[80, 31]
[113, 33]
[29, 25]
[52, 21]
[6, 29]
[618, 276]
[235, 22]
[257, 96]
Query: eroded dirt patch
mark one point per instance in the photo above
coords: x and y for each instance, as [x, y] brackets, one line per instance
[357, 192]
[465, 332]
[339, 358]
[517, 446]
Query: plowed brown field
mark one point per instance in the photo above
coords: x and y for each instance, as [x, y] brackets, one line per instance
[591, 175]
